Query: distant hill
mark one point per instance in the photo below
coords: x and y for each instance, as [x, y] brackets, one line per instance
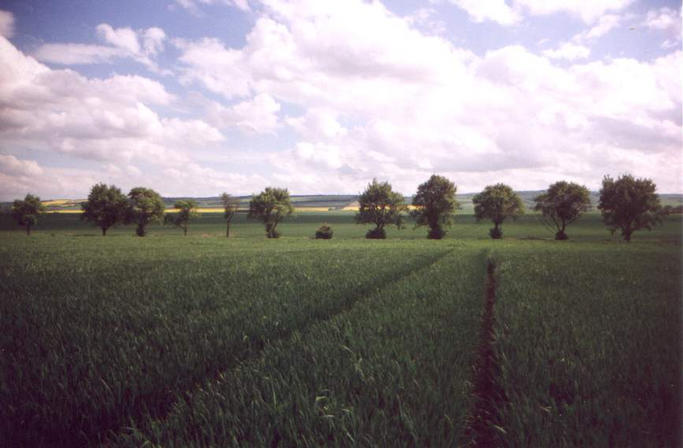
[331, 201]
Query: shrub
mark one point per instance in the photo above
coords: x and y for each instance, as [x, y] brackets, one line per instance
[324, 232]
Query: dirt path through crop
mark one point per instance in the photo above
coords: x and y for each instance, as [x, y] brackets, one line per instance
[482, 426]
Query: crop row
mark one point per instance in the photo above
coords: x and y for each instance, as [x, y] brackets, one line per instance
[589, 346]
[95, 335]
[391, 371]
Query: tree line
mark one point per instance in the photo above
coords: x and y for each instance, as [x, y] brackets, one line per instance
[627, 204]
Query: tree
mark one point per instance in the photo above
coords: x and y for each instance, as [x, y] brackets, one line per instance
[435, 205]
[144, 206]
[187, 210]
[26, 212]
[271, 206]
[381, 206]
[230, 205]
[562, 204]
[497, 202]
[629, 204]
[106, 206]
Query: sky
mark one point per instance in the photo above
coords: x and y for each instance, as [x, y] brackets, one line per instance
[200, 97]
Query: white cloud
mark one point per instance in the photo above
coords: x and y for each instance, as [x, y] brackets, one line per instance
[74, 54]
[588, 11]
[568, 51]
[10, 165]
[495, 10]
[142, 46]
[663, 19]
[194, 6]
[511, 12]
[109, 121]
[6, 24]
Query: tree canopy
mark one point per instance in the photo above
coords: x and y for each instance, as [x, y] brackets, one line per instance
[106, 206]
[562, 204]
[230, 206]
[497, 202]
[144, 207]
[380, 205]
[435, 205]
[25, 212]
[271, 206]
[186, 211]
[629, 204]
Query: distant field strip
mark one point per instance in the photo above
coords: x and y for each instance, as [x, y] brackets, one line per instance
[589, 345]
[393, 370]
[91, 340]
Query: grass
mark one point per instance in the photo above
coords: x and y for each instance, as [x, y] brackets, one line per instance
[201, 339]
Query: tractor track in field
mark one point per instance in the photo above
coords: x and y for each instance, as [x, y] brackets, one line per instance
[482, 428]
[166, 401]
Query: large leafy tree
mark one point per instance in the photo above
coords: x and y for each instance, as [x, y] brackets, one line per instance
[435, 205]
[106, 206]
[230, 206]
[271, 206]
[497, 203]
[145, 206]
[186, 211]
[25, 212]
[562, 204]
[381, 206]
[629, 204]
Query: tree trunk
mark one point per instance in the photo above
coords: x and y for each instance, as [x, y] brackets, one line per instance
[104, 231]
[28, 229]
[227, 231]
[184, 231]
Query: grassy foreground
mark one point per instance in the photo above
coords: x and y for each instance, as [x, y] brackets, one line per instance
[204, 340]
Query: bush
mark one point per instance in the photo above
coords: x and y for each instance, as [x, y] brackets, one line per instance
[324, 232]
[496, 233]
[436, 233]
[376, 234]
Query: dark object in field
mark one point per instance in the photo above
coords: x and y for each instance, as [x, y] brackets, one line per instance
[324, 232]
[376, 234]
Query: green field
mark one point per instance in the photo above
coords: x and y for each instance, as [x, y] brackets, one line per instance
[201, 340]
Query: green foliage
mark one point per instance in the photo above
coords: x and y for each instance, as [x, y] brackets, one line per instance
[106, 206]
[145, 206]
[629, 204]
[562, 204]
[324, 232]
[230, 206]
[497, 202]
[435, 205]
[271, 206]
[381, 206]
[187, 210]
[26, 212]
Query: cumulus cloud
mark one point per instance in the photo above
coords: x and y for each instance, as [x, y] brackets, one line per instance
[194, 6]
[108, 120]
[360, 93]
[511, 12]
[568, 51]
[6, 24]
[663, 19]
[141, 45]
